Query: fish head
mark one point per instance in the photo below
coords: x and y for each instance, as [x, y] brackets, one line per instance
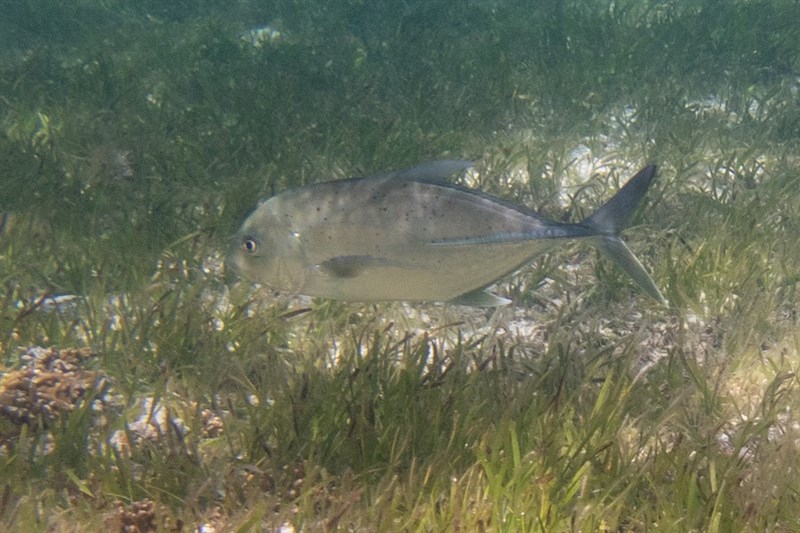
[266, 251]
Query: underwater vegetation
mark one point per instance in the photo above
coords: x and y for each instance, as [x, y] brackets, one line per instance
[140, 392]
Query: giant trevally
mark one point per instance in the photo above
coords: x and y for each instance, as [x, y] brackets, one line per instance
[411, 235]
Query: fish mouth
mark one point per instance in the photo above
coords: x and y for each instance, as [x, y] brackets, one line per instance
[232, 268]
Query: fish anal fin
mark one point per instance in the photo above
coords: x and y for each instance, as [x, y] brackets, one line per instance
[480, 298]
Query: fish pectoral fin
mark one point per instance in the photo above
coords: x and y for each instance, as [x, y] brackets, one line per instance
[480, 298]
[349, 266]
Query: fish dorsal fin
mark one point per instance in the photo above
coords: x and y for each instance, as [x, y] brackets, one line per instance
[432, 170]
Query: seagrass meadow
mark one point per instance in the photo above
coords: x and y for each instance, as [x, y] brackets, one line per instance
[141, 390]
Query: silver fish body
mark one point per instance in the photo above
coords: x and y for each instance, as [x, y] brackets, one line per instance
[412, 236]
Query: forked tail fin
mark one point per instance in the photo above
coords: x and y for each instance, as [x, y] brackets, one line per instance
[611, 218]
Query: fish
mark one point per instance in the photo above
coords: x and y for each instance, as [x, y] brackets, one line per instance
[412, 235]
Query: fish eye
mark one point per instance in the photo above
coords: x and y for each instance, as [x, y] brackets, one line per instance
[249, 245]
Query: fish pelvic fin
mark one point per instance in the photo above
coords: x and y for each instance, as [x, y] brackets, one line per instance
[612, 217]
